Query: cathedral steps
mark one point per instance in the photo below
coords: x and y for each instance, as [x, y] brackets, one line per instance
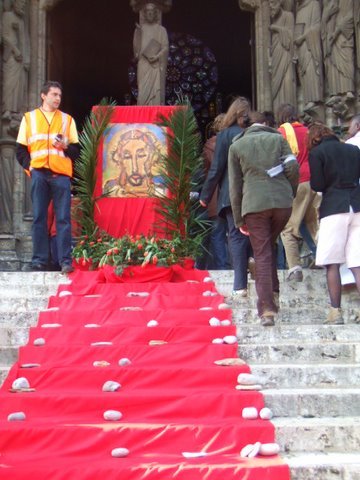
[310, 372]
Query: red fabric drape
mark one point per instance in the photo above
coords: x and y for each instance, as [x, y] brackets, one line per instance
[173, 397]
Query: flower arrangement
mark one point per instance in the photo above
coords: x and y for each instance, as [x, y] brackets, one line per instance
[100, 249]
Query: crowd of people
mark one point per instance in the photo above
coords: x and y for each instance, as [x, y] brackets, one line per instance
[272, 183]
[278, 184]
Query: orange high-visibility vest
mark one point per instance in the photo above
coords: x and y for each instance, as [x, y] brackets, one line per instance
[40, 138]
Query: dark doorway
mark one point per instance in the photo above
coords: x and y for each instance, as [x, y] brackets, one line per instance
[90, 47]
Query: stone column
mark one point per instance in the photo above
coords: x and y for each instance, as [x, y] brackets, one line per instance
[262, 47]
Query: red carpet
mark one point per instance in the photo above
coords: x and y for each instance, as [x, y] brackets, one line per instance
[173, 397]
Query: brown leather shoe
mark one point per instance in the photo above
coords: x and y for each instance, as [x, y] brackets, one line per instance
[268, 319]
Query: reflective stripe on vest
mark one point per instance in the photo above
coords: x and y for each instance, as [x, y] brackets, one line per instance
[40, 138]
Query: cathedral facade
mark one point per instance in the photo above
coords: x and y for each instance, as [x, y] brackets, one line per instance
[303, 52]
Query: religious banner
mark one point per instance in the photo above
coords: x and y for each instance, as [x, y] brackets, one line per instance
[128, 184]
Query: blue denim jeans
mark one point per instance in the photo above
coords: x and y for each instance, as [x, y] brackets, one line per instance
[218, 245]
[46, 185]
[240, 251]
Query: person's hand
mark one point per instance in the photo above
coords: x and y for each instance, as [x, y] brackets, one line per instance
[202, 203]
[60, 144]
[244, 230]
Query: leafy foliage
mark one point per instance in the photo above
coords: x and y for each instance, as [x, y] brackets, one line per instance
[102, 249]
[85, 168]
[181, 221]
[181, 170]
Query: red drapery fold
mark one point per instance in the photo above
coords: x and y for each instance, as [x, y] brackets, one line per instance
[173, 397]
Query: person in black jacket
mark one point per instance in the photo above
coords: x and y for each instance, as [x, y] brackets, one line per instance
[233, 124]
[335, 171]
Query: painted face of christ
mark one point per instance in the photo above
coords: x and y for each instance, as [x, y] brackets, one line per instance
[135, 157]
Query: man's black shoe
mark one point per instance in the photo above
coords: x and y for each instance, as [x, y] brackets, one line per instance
[37, 267]
[54, 268]
[67, 268]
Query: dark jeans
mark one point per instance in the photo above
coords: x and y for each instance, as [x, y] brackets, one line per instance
[264, 228]
[240, 251]
[218, 245]
[45, 186]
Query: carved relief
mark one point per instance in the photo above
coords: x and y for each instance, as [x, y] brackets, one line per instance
[337, 33]
[6, 188]
[16, 62]
[282, 68]
[309, 53]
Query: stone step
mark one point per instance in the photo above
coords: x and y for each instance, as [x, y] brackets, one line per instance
[308, 375]
[313, 402]
[269, 354]
[324, 435]
[293, 300]
[241, 315]
[299, 334]
[13, 336]
[319, 466]
[32, 278]
[273, 377]
[29, 291]
[21, 305]
[8, 356]
[247, 334]
[23, 319]
[300, 353]
[313, 288]
[292, 315]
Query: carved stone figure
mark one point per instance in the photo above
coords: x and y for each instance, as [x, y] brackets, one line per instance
[308, 51]
[357, 30]
[7, 159]
[151, 46]
[337, 33]
[16, 60]
[282, 67]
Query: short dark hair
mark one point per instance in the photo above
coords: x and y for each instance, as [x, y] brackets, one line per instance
[269, 118]
[50, 84]
[286, 113]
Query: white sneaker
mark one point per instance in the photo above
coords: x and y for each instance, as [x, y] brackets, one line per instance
[239, 293]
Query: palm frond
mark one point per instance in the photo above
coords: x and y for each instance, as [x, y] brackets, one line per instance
[181, 170]
[85, 168]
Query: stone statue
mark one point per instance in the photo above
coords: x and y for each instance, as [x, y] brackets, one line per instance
[337, 33]
[357, 30]
[151, 47]
[282, 67]
[16, 60]
[7, 159]
[308, 52]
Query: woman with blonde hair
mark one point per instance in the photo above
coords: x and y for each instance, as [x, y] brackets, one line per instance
[335, 172]
[233, 124]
